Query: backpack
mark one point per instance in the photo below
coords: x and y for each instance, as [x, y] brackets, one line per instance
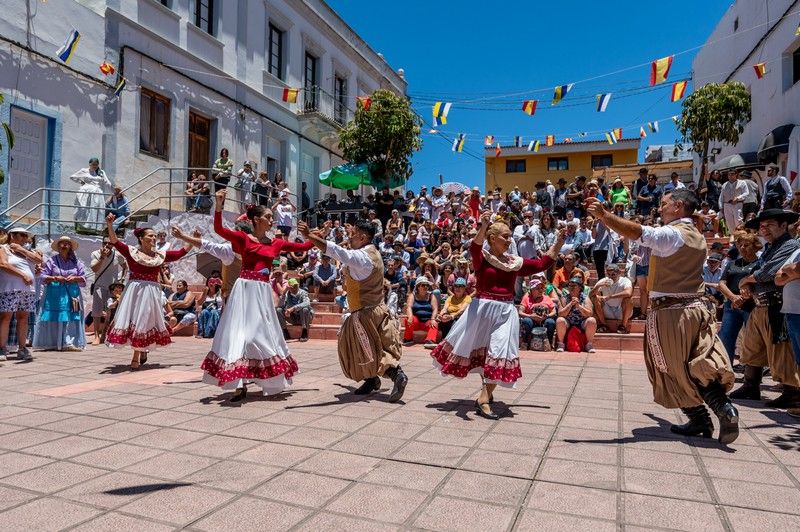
[539, 340]
[575, 340]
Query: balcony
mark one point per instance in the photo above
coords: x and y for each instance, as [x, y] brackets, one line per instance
[322, 114]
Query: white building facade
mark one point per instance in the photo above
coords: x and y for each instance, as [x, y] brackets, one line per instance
[748, 34]
[201, 75]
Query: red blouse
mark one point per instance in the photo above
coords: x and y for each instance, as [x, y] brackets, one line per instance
[146, 271]
[255, 256]
[498, 284]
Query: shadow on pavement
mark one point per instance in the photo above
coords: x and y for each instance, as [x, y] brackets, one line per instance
[147, 488]
[349, 397]
[126, 368]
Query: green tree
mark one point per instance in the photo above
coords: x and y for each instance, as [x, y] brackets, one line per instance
[716, 112]
[9, 140]
[383, 136]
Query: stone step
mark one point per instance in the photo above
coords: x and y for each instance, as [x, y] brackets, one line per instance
[316, 332]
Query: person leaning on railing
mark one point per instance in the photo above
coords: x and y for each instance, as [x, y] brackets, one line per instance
[221, 171]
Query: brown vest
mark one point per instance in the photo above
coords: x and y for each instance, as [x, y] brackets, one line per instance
[369, 292]
[681, 272]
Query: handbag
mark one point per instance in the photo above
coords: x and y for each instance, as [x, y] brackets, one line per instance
[539, 339]
[113, 257]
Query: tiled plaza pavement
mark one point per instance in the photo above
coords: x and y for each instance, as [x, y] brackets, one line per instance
[87, 445]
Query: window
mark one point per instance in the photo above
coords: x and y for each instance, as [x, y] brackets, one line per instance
[154, 118]
[514, 166]
[275, 52]
[166, 3]
[796, 66]
[204, 15]
[555, 164]
[599, 161]
[310, 85]
[340, 99]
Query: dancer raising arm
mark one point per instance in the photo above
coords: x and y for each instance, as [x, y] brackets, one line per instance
[139, 319]
[485, 340]
[249, 343]
[369, 341]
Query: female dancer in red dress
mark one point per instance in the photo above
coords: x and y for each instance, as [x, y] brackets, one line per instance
[140, 314]
[485, 340]
[249, 342]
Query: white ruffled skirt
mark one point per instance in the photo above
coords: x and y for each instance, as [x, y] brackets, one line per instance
[249, 344]
[484, 340]
[139, 320]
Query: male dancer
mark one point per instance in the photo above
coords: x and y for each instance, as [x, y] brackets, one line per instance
[369, 340]
[686, 361]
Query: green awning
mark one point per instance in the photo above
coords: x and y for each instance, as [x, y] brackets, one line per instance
[350, 176]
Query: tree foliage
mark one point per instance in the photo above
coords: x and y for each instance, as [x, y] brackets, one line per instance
[9, 140]
[383, 136]
[716, 112]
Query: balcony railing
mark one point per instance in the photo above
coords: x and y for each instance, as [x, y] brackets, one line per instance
[321, 103]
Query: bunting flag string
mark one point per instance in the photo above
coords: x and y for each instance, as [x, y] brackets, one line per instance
[642, 133]
[611, 138]
[440, 112]
[458, 143]
[678, 90]
[602, 102]
[675, 119]
[582, 134]
[617, 133]
[568, 140]
[529, 107]
[488, 140]
[517, 142]
[534, 146]
[290, 95]
[560, 92]
[365, 102]
[497, 150]
[761, 69]
[549, 140]
[659, 70]
[653, 126]
[120, 86]
[65, 52]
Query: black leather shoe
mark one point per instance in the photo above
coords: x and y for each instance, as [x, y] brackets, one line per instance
[714, 396]
[484, 414]
[789, 397]
[699, 423]
[400, 380]
[239, 395]
[370, 385]
[751, 389]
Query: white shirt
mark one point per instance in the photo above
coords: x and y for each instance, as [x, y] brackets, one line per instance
[607, 287]
[356, 260]
[784, 184]
[525, 238]
[733, 190]
[791, 290]
[283, 214]
[224, 251]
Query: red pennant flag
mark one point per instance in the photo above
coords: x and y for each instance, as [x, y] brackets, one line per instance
[365, 102]
[549, 140]
[290, 95]
[529, 107]
[760, 69]
[678, 90]
[107, 68]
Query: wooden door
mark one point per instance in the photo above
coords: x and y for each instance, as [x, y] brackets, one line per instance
[199, 141]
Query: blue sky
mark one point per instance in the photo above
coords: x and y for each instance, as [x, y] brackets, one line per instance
[487, 57]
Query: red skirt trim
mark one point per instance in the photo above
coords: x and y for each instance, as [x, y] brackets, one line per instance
[248, 368]
[138, 340]
[495, 369]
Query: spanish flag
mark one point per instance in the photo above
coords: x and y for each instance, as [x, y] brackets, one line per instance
[65, 52]
[440, 111]
[290, 95]
[549, 140]
[488, 140]
[458, 143]
[107, 68]
[678, 90]
[611, 138]
[365, 102]
[642, 134]
[560, 92]
[529, 107]
[760, 69]
[617, 133]
[659, 70]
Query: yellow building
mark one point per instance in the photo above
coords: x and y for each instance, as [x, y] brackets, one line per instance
[523, 168]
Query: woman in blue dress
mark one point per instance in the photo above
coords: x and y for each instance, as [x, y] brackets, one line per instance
[60, 323]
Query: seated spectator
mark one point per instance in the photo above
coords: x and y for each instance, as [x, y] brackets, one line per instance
[707, 221]
[117, 205]
[295, 309]
[182, 303]
[386, 247]
[306, 271]
[565, 273]
[209, 308]
[536, 310]
[400, 251]
[296, 259]
[394, 276]
[325, 276]
[575, 311]
[712, 273]
[612, 298]
[454, 306]
[422, 309]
